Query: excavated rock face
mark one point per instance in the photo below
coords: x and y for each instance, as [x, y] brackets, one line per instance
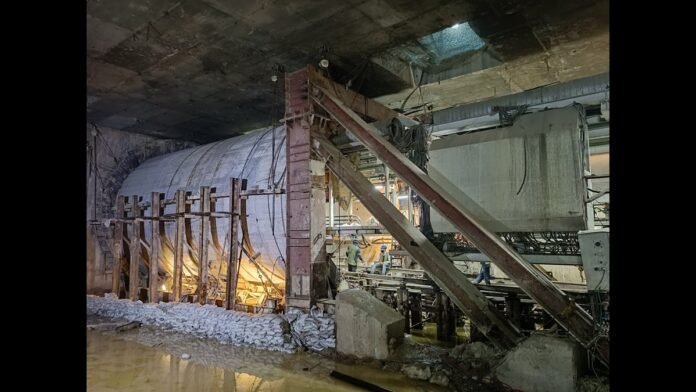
[111, 156]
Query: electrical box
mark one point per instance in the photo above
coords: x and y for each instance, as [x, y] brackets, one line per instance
[594, 249]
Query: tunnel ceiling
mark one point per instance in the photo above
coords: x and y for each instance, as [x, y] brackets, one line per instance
[201, 70]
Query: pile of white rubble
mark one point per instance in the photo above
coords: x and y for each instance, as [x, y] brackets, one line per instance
[316, 331]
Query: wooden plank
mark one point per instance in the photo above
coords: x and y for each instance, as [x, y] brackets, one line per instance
[155, 245]
[214, 238]
[118, 246]
[179, 243]
[189, 241]
[231, 289]
[255, 192]
[204, 208]
[148, 250]
[135, 250]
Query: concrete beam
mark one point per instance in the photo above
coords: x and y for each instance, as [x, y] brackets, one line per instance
[398, 67]
[562, 63]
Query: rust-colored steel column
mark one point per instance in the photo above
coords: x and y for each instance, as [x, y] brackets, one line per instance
[567, 313]
[297, 107]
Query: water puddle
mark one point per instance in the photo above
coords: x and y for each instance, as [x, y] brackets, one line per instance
[149, 359]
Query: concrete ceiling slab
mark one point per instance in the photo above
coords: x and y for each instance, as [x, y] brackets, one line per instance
[104, 76]
[102, 36]
[207, 64]
[131, 15]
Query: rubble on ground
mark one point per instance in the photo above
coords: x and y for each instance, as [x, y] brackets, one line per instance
[593, 384]
[287, 333]
[465, 367]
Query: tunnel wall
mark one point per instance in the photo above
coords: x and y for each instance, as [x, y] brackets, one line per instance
[248, 156]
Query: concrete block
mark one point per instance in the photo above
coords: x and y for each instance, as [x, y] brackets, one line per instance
[542, 364]
[365, 326]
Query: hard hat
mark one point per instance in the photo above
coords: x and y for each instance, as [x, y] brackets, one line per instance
[383, 247]
[355, 242]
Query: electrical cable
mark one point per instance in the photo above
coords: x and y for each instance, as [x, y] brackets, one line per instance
[524, 177]
[403, 104]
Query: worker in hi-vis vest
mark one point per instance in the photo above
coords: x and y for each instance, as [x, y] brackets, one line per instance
[383, 262]
[353, 253]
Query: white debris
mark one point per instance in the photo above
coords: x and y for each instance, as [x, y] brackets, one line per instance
[416, 371]
[185, 356]
[315, 331]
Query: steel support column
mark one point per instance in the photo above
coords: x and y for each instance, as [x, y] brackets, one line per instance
[297, 125]
[570, 315]
[307, 266]
[462, 292]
